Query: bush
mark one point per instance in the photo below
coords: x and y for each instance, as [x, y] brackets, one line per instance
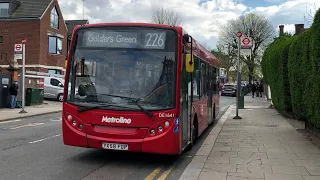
[275, 70]
[291, 66]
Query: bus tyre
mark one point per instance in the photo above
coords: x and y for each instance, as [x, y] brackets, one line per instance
[60, 97]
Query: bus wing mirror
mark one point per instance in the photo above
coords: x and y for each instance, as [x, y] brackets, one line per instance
[186, 38]
[189, 63]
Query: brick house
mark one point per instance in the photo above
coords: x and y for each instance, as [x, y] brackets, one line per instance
[41, 23]
[71, 24]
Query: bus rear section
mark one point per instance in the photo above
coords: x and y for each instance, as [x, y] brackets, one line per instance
[123, 90]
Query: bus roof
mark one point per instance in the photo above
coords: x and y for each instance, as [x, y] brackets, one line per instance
[198, 49]
[203, 53]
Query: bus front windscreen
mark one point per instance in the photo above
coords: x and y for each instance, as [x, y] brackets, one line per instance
[118, 67]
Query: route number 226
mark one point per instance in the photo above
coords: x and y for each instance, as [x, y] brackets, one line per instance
[155, 39]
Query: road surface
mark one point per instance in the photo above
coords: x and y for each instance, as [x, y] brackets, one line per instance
[32, 148]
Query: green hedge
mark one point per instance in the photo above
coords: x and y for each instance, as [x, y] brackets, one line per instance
[291, 66]
[275, 70]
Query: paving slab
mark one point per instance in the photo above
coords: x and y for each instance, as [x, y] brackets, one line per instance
[262, 145]
[48, 107]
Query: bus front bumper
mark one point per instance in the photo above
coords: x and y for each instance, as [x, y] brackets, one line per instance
[166, 143]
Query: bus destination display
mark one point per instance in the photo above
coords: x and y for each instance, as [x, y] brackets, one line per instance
[146, 39]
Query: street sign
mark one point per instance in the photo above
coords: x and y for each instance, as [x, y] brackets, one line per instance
[239, 34]
[246, 41]
[246, 52]
[18, 48]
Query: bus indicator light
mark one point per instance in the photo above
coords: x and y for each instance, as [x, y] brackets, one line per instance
[176, 129]
[176, 121]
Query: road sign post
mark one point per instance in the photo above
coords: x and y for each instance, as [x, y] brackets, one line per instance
[239, 35]
[23, 75]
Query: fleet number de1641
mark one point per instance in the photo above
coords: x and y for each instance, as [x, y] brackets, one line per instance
[166, 115]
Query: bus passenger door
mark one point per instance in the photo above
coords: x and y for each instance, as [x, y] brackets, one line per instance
[185, 104]
[210, 95]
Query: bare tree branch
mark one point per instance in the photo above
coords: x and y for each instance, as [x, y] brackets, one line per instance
[308, 16]
[206, 45]
[165, 16]
[256, 26]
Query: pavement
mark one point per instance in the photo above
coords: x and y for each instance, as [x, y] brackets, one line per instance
[263, 145]
[48, 107]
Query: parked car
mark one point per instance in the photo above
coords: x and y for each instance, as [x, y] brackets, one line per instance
[53, 88]
[229, 89]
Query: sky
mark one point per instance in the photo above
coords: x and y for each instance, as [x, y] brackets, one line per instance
[201, 18]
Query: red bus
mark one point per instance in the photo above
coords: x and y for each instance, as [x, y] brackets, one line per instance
[134, 87]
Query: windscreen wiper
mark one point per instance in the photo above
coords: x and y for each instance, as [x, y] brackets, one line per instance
[87, 108]
[134, 100]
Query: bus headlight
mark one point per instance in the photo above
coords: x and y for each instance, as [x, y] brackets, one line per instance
[166, 124]
[153, 132]
[74, 122]
[69, 117]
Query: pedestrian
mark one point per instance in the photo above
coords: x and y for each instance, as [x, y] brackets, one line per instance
[13, 94]
[260, 89]
[257, 89]
[253, 89]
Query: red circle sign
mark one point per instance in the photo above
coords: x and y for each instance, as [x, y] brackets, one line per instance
[239, 34]
[246, 41]
[18, 47]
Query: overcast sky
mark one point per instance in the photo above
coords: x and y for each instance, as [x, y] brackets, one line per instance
[201, 18]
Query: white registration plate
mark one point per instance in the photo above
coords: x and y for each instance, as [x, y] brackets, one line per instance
[115, 146]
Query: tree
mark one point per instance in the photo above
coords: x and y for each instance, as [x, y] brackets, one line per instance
[225, 56]
[256, 26]
[165, 16]
[308, 16]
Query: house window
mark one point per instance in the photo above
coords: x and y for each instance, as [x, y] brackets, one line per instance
[54, 71]
[55, 45]
[1, 39]
[4, 9]
[54, 18]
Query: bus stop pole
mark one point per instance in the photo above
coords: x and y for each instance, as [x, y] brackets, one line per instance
[23, 77]
[238, 79]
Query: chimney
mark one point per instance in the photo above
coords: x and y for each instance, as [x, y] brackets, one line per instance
[281, 27]
[299, 28]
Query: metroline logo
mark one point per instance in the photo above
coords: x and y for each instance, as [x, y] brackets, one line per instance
[120, 120]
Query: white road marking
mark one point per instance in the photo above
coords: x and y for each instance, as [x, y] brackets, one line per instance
[27, 125]
[56, 120]
[6, 122]
[32, 142]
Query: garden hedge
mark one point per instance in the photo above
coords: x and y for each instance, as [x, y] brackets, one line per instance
[291, 66]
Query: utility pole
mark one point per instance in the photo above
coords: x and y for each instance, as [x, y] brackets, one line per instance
[239, 35]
